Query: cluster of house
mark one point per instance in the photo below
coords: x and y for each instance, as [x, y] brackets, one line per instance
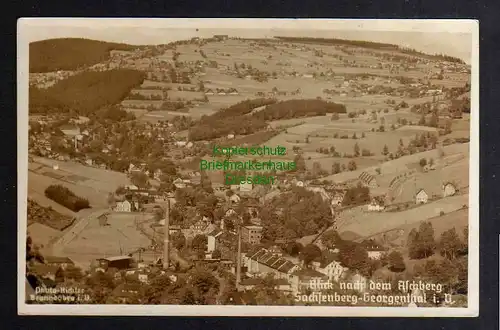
[45, 80]
[293, 276]
[447, 189]
[41, 143]
[77, 138]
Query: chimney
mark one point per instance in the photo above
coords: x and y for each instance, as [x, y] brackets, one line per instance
[166, 241]
[238, 260]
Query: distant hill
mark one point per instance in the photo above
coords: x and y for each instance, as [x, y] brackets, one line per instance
[370, 45]
[70, 53]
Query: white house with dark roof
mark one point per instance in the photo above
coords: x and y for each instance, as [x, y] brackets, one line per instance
[421, 197]
[376, 205]
[261, 262]
[124, 206]
[449, 189]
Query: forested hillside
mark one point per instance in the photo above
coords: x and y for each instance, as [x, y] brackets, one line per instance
[70, 53]
[237, 119]
[86, 92]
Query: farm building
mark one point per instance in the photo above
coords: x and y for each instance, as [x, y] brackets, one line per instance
[449, 189]
[376, 205]
[368, 180]
[421, 197]
[124, 206]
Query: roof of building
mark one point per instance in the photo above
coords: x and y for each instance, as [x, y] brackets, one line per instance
[216, 232]
[421, 190]
[116, 258]
[286, 266]
[328, 259]
[271, 260]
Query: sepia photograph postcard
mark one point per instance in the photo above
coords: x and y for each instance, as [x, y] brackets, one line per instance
[248, 167]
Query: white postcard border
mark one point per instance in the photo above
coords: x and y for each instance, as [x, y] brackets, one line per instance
[469, 26]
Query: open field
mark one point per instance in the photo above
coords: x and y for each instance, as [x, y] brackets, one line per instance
[151, 83]
[119, 237]
[154, 116]
[432, 181]
[368, 224]
[91, 183]
[321, 132]
[401, 164]
[175, 95]
[457, 219]
[43, 235]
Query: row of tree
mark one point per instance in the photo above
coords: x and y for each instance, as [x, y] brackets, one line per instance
[421, 242]
[66, 198]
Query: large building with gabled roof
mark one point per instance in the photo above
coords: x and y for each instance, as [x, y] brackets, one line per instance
[261, 261]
